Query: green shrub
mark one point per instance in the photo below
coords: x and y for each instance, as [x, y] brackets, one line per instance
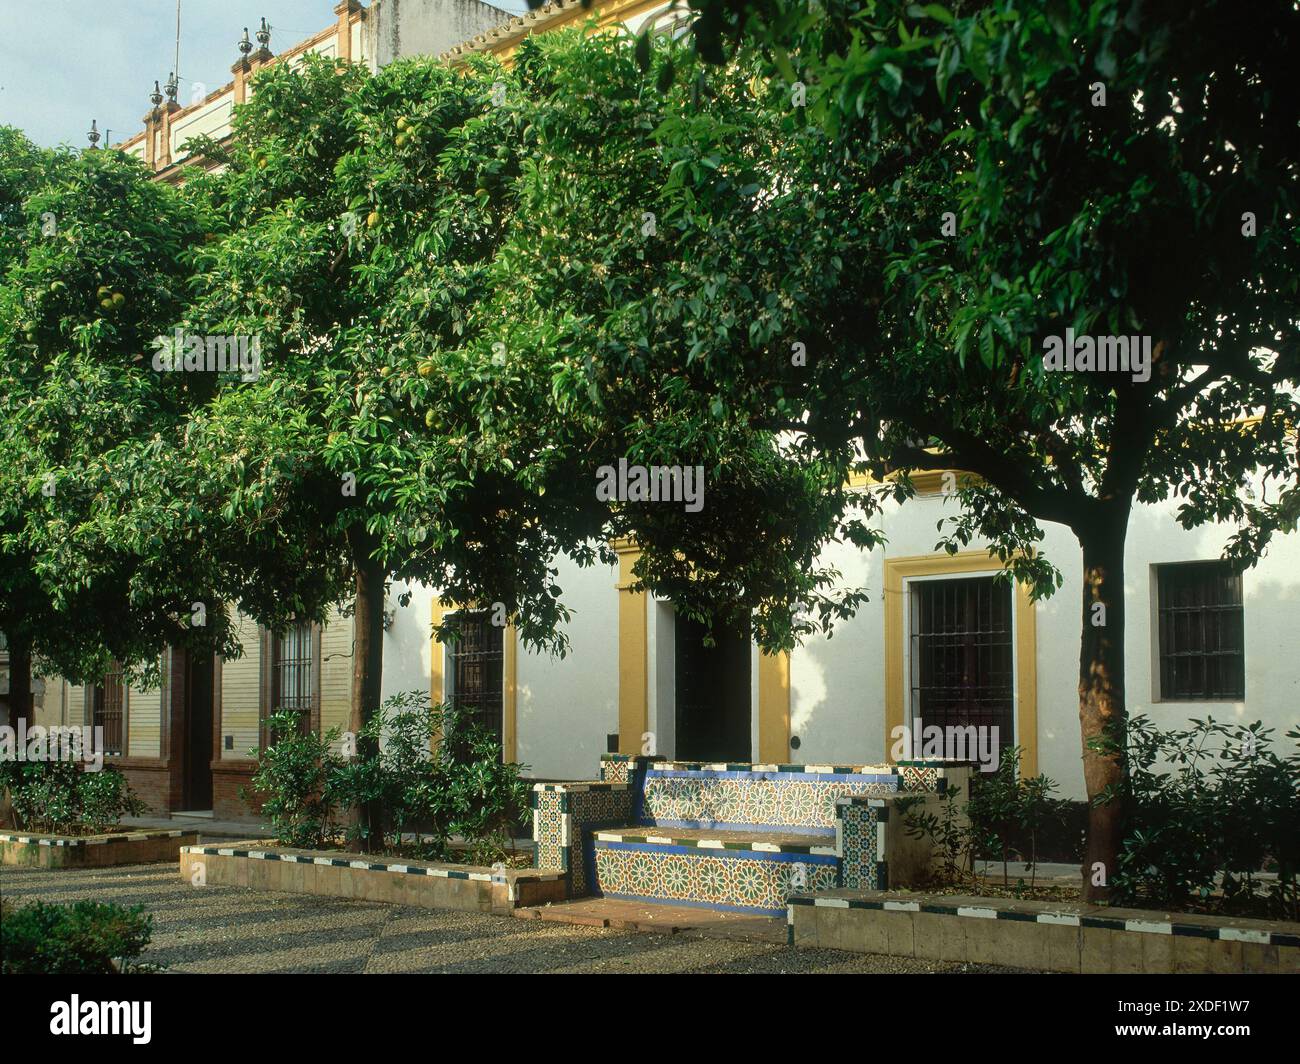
[83, 938]
[294, 781]
[487, 796]
[105, 798]
[1002, 808]
[401, 772]
[1210, 806]
[61, 798]
[434, 774]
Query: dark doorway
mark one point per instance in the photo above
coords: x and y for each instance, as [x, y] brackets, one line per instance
[713, 693]
[198, 732]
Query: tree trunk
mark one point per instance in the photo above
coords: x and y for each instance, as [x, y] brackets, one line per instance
[367, 663]
[21, 704]
[1102, 711]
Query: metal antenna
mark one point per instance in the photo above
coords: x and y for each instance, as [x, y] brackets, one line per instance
[177, 65]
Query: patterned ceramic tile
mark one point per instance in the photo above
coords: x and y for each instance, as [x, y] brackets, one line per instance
[813, 800]
[589, 810]
[861, 846]
[790, 801]
[743, 880]
[614, 770]
[919, 778]
[563, 817]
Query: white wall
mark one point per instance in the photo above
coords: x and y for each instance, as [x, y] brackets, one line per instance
[408, 643]
[564, 707]
[837, 684]
[567, 706]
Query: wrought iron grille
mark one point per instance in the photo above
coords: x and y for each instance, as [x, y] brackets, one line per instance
[291, 676]
[961, 655]
[477, 658]
[1201, 631]
[109, 702]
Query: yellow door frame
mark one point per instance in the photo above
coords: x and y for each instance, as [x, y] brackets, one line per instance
[774, 708]
[633, 652]
[634, 672]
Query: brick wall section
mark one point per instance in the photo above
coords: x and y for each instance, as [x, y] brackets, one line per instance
[227, 779]
[152, 780]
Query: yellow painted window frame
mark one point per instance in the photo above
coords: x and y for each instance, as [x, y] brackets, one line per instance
[509, 677]
[897, 572]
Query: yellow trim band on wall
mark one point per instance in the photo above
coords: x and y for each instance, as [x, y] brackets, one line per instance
[633, 653]
[774, 708]
[509, 678]
[897, 570]
[607, 16]
[509, 674]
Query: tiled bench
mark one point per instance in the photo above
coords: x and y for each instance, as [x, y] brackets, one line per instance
[740, 837]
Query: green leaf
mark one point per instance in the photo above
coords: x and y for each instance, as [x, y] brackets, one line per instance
[782, 59]
[666, 74]
[935, 11]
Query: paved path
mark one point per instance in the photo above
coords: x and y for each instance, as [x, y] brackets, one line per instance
[233, 929]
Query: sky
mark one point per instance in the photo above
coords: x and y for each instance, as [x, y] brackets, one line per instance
[73, 60]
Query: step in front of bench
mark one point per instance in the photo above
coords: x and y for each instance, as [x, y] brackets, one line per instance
[734, 871]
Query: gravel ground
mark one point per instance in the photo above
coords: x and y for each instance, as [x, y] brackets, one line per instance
[233, 929]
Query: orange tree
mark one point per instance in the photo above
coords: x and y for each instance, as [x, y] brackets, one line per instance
[357, 215]
[937, 198]
[95, 259]
[370, 227]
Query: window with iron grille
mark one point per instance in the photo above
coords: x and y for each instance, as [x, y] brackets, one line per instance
[476, 657]
[292, 686]
[107, 706]
[961, 658]
[1202, 654]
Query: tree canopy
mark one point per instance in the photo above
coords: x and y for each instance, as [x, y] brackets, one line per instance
[97, 260]
[873, 240]
[939, 202]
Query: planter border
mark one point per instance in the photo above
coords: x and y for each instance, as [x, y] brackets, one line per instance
[94, 840]
[513, 880]
[21, 849]
[1063, 918]
[1061, 936]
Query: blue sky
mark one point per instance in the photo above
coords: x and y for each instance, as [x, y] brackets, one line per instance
[74, 60]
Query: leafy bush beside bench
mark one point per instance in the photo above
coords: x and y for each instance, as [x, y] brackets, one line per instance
[435, 774]
[1212, 806]
[1213, 825]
